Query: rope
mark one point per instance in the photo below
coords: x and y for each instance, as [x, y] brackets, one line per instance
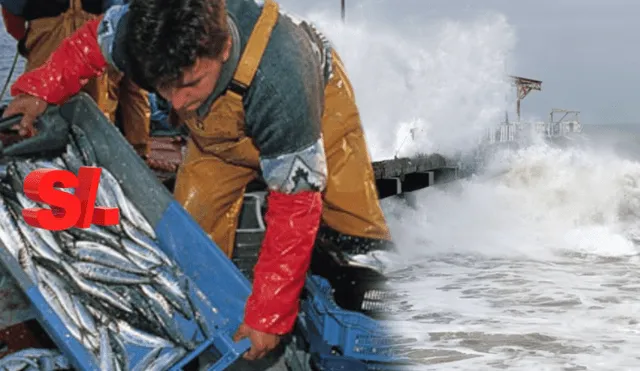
[13, 67]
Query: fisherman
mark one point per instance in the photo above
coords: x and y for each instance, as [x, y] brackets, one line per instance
[49, 22]
[264, 96]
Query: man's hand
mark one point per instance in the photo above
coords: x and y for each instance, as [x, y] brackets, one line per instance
[30, 107]
[261, 342]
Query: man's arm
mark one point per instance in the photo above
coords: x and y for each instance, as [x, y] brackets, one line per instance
[285, 125]
[15, 25]
[80, 57]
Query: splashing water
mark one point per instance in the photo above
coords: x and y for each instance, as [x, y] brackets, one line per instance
[447, 81]
[531, 265]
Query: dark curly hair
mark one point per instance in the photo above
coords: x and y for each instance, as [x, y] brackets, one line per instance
[166, 36]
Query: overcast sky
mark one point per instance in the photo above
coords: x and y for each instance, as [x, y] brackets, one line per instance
[586, 52]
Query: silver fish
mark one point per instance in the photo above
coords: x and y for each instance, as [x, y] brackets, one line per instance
[98, 291]
[85, 317]
[171, 291]
[36, 353]
[163, 362]
[28, 266]
[58, 162]
[129, 211]
[120, 350]
[105, 274]
[106, 353]
[94, 252]
[55, 304]
[62, 362]
[59, 289]
[98, 234]
[16, 363]
[144, 363]
[9, 235]
[145, 242]
[36, 243]
[44, 164]
[133, 249]
[46, 364]
[134, 336]
[169, 325]
[152, 294]
[44, 234]
[192, 291]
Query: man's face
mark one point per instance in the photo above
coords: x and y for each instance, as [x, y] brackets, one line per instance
[196, 85]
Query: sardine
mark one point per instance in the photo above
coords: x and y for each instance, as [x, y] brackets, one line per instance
[133, 249]
[55, 304]
[170, 326]
[98, 234]
[96, 290]
[143, 241]
[46, 364]
[200, 319]
[59, 162]
[62, 362]
[148, 359]
[164, 362]
[170, 289]
[94, 252]
[106, 353]
[120, 351]
[63, 296]
[97, 272]
[3, 171]
[9, 234]
[15, 180]
[135, 336]
[129, 211]
[36, 353]
[36, 243]
[45, 164]
[85, 317]
[153, 294]
[14, 362]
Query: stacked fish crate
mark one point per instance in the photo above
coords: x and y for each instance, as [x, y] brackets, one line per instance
[151, 293]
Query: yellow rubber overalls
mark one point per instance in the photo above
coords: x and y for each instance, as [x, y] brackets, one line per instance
[221, 160]
[134, 108]
[44, 35]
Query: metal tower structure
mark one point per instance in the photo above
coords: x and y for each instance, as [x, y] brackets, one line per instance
[342, 8]
[523, 87]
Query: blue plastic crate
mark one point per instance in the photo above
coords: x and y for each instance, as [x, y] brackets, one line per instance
[341, 339]
[178, 235]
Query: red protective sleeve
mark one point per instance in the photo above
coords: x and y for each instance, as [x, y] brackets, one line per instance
[15, 25]
[68, 69]
[279, 275]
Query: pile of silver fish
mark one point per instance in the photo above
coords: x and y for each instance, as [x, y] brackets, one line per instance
[34, 359]
[110, 286]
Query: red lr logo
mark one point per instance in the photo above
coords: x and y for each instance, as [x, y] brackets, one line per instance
[67, 210]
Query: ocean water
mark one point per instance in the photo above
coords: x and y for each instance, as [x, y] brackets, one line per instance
[533, 263]
[530, 265]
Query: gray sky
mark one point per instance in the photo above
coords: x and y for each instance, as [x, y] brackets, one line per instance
[586, 52]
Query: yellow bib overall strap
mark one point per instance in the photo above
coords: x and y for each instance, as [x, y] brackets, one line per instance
[252, 54]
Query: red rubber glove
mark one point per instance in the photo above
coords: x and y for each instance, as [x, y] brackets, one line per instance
[68, 69]
[279, 275]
